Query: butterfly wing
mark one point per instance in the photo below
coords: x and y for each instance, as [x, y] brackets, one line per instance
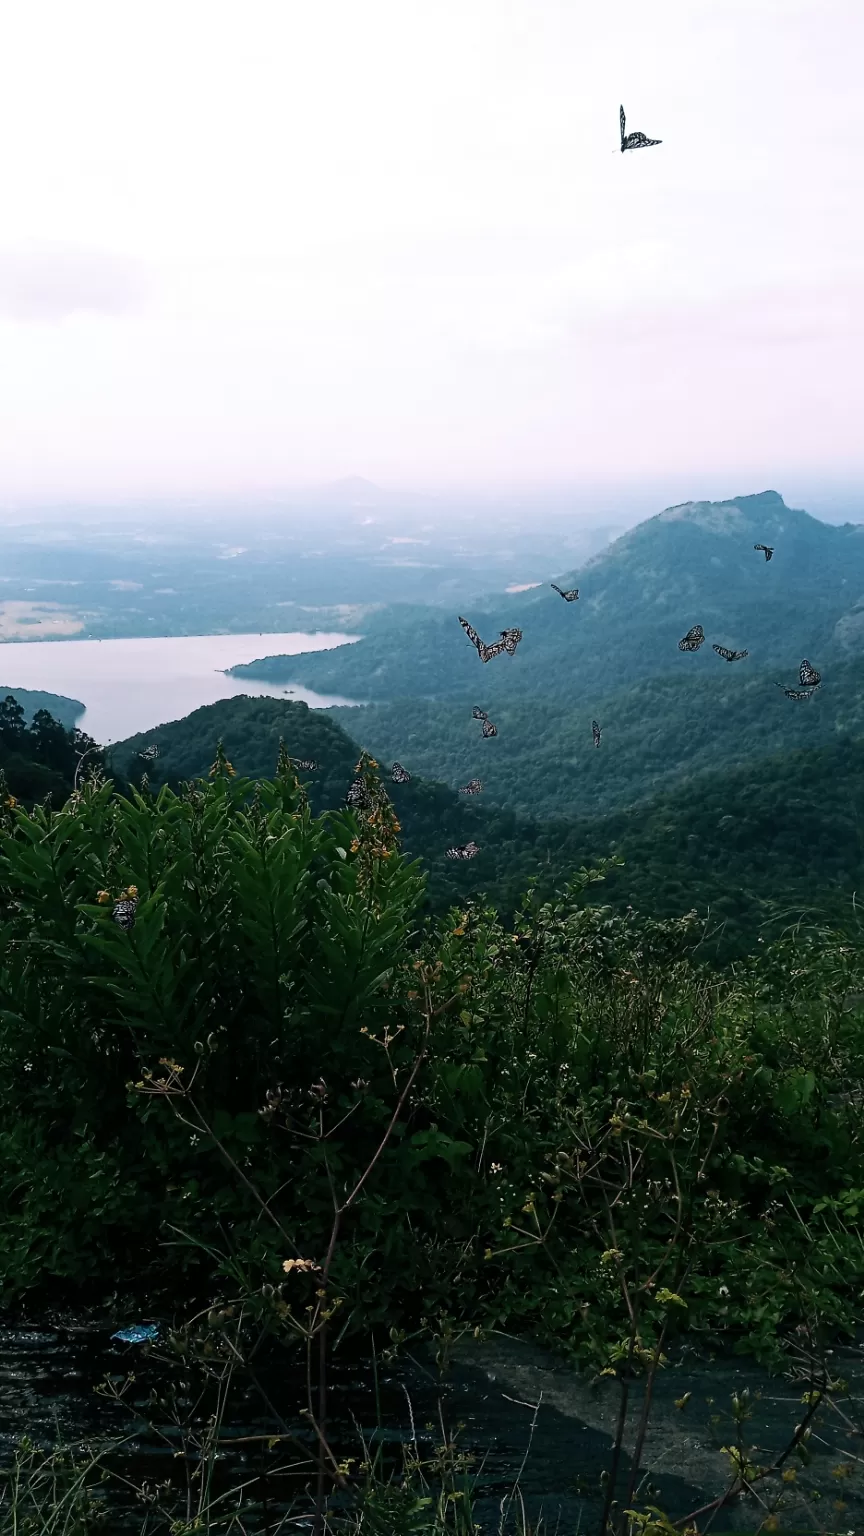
[596, 732]
[808, 675]
[489, 729]
[623, 122]
[400, 775]
[693, 639]
[478, 714]
[486, 652]
[123, 913]
[471, 633]
[768, 552]
[357, 793]
[510, 639]
[639, 141]
[473, 787]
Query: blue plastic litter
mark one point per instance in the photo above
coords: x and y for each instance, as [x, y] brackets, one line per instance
[139, 1333]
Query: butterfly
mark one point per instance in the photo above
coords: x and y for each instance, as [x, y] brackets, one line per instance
[796, 693]
[139, 1333]
[693, 639]
[808, 676]
[510, 639]
[124, 913]
[357, 793]
[473, 787]
[149, 753]
[633, 140]
[729, 655]
[400, 775]
[486, 652]
[766, 550]
[304, 762]
[569, 597]
[596, 732]
[467, 851]
[488, 728]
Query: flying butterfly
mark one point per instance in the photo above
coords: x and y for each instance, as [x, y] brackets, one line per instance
[510, 639]
[766, 549]
[123, 912]
[466, 851]
[473, 787]
[596, 732]
[485, 652]
[633, 140]
[569, 597]
[149, 754]
[729, 655]
[304, 763]
[796, 693]
[357, 793]
[693, 639]
[808, 676]
[400, 775]
[488, 728]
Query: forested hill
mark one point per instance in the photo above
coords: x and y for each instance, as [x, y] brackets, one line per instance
[64, 710]
[656, 735]
[692, 564]
[39, 756]
[742, 847]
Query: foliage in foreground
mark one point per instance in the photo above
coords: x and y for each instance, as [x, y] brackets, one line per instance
[524, 1128]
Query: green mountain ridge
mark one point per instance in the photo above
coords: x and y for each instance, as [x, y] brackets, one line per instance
[690, 564]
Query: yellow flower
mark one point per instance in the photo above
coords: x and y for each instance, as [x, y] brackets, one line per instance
[11, 802]
[301, 1264]
[458, 932]
[103, 898]
[132, 891]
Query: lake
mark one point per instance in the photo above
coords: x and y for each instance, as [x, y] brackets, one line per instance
[135, 685]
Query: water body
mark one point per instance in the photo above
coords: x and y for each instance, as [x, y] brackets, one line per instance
[135, 685]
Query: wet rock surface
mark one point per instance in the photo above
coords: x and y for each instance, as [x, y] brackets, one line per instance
[527, 1417]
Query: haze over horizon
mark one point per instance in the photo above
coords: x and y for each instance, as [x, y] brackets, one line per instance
[245, 251]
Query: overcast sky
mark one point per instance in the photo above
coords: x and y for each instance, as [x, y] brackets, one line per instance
[268, 242]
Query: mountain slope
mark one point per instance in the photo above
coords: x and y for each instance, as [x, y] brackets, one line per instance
[690, 564]
[656, 734]
[786, 832]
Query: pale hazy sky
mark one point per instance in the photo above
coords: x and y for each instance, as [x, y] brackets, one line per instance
[267, 242]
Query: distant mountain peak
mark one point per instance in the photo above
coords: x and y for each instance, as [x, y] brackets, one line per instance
[755, 512]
